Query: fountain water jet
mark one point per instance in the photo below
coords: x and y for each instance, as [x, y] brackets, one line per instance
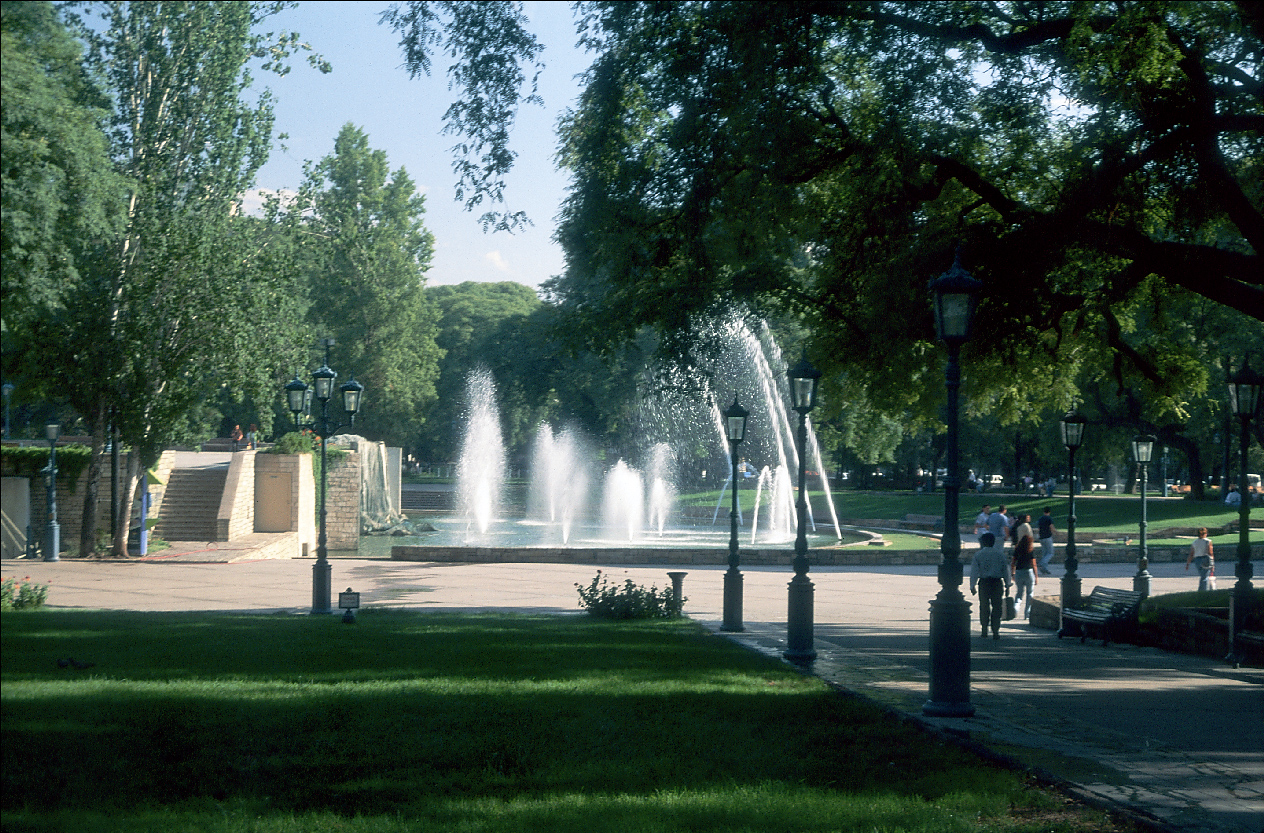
[559, 480]
[622, 509]
[481, 471]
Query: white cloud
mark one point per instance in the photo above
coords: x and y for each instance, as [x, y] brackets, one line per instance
[495, 259]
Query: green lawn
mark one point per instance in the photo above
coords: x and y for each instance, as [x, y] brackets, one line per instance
[429, 722]
[1104, 514]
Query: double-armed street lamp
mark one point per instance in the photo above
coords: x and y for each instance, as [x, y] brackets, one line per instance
[735, 429]
[296, 397]
[1244, 402]
[956, 295]
[1072, 428]
[799, 619]
[1142, 452]
[52, 546]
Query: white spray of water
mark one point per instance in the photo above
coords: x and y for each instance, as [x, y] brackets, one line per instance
[481, 471]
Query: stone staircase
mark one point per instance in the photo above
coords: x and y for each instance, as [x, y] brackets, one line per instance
[190, 506]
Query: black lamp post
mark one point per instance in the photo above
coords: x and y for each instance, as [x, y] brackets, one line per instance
[52, 430]
[956, 294]
[7, 389]
[1072, 426]
[1142, 452]
[1244, 402]
[735, 428]
[296, 395]
[799, 628]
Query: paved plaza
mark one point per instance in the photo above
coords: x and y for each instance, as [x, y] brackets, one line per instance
[1173, 737]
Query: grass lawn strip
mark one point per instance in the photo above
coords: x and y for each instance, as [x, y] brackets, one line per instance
[422, 721]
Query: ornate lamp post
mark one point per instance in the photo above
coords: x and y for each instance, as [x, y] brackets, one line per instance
[735, 428]
[296, 395]
[799, 628]
[7, 389]
[1244, 403]
[956, 294]
[52, 430]
[1072, 427]
[1142, 452]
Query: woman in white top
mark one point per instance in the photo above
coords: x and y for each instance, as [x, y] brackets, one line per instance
[1202, 555]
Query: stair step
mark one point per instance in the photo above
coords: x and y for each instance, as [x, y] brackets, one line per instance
[190, 506]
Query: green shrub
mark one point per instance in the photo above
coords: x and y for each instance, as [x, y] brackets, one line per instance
[30, 461]
[22, 595]
[627, 601]
[293, 443]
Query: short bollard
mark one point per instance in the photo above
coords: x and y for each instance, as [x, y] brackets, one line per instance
[678, 599]
[350, 603]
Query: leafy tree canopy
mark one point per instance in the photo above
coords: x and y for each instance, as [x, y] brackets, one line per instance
[367, 252]
[60, 193]
[1097, 164]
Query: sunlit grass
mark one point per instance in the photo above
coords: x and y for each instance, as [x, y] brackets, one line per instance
[428, 722]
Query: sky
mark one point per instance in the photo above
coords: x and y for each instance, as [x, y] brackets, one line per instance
[403, 117]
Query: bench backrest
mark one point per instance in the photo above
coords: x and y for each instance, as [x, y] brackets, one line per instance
[1107, 599]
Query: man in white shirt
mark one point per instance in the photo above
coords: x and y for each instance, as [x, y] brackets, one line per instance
[989, 573]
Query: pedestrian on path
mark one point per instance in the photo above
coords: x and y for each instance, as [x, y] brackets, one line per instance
[236, 438]
[1202, 554]
[998, 525]
[981, 520]
[1025, 579]
[1046, 530]
[989, 577]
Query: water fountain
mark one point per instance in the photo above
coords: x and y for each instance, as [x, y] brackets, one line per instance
[482, 469]
[681, 440]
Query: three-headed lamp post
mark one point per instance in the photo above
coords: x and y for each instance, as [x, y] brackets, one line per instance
[735, 430]
[52, 542]
[1072, 427]
[799, 619]
[1244, 401]
[955, 294]
[1142, 452]
[296, 395]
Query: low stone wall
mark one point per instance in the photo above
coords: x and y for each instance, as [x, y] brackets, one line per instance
[842, 556]
[236, 515]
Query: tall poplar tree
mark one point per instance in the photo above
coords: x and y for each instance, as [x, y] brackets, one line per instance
[367, 252]
[175, 304]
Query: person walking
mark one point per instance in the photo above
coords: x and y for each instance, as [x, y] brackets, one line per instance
[1202, 555]
[1045, 534]
[998, 525]
[981, 520]
[236, 437]
[989, 577]
[1024, 563]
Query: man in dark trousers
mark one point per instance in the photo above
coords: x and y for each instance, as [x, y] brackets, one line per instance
[989, 576]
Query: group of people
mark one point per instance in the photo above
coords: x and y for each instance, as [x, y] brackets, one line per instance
[992, 571]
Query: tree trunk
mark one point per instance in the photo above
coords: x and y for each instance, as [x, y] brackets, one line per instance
[88, 528]
[1193, 460]
[130, 483]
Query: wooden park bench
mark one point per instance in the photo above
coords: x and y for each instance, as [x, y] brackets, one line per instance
[1104, 611]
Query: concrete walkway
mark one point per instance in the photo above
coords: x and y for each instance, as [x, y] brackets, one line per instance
[1170, 737]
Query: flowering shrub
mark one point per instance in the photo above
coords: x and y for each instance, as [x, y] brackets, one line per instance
[627, 601]
[22, 595]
